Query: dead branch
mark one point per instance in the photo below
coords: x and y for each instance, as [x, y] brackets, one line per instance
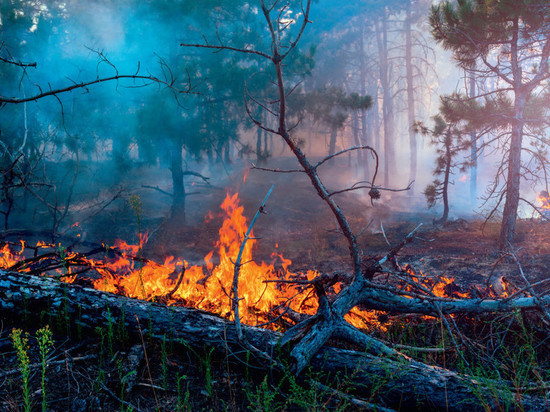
[238, 264]
[81, 85]
[17, 62]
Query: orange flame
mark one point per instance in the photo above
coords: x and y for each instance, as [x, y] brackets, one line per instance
[544, 200]
[209, 286]
[264, 289]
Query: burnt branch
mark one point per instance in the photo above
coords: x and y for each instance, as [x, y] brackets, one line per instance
[238, 264]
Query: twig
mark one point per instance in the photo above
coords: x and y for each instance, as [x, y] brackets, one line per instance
[393, 252]
[238, 264]
[147, 363]
[178, 283]
[542, 215]
[531, 290]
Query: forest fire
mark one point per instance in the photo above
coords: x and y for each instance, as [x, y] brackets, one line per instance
[264, 289]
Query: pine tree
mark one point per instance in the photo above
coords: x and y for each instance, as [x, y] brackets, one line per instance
[505, 41]
[449, 142]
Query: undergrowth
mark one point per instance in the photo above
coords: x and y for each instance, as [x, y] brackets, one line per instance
[508, 353]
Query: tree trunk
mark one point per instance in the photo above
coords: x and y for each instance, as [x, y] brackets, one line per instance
[375, 119]
[355, 132]
[178, 187]
[446, 178]
[332, 142]
[510, 212]
[473, 151]
[259, 156]
[410, 96]
[227, 152]
[395, 384]
[387, 102]
[365, 140]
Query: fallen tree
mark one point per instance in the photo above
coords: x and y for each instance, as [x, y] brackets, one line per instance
[399, 381]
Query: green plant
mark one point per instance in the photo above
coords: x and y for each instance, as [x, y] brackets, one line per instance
[122, 333]
[110, 332]
[123, 379]
[25, 309]
[164, 360]
[101, 372]
[263, 398]
[183, 402]
[20, 342]
[62, 319]
[207, 364]
[301, 396]
[62, 251]
[45, 343]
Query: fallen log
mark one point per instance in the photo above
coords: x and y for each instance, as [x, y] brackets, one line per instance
[391, 383]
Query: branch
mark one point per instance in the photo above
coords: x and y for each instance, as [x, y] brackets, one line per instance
[221, 47]
[265, 169]
[81, 85]
[190, 173]
[235, 287]
[17, 62]
[371, 186]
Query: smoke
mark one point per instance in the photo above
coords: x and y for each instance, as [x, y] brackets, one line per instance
[121, 133]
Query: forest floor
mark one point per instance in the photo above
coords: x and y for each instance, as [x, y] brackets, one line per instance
[92, 372]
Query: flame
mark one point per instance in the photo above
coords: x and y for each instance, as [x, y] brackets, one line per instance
[440, 286]
[209, 286]
[264, 290]
[463, 178]
[544, 200]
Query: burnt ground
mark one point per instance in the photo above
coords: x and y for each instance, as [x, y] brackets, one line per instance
[88, 374]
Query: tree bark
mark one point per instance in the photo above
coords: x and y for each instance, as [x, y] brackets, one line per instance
[394, 383]
[364, 138]
[447, 175]
[510, 212]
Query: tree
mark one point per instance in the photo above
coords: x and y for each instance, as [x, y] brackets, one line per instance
[507, 41]
[449, 142]
[26, 27]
